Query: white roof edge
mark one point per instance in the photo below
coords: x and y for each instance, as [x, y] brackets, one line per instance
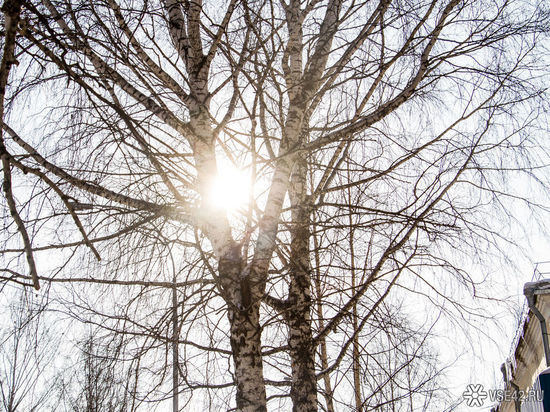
[540, 287]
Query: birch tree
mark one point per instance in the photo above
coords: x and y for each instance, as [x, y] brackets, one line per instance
[373, 135]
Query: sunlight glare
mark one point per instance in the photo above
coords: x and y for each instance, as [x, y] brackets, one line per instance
[230, 189]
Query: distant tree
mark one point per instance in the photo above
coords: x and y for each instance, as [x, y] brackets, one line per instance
[375, 137]
[26, 344]
[96, 384]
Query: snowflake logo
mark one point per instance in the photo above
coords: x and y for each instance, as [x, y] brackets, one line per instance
[474, 395]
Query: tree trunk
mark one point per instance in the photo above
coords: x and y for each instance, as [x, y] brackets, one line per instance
[243, 312]
[247, 358]
[355, 318]
[322, 342]
[303, 391]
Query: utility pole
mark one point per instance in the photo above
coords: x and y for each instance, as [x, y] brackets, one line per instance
[175, 354]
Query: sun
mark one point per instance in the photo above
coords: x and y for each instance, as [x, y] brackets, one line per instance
[229, 190]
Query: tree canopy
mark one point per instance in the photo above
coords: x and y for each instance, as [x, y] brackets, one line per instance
[249, 200]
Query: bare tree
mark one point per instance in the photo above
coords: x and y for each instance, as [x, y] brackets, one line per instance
[95, 383]
[374, 135]
[26, 350]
